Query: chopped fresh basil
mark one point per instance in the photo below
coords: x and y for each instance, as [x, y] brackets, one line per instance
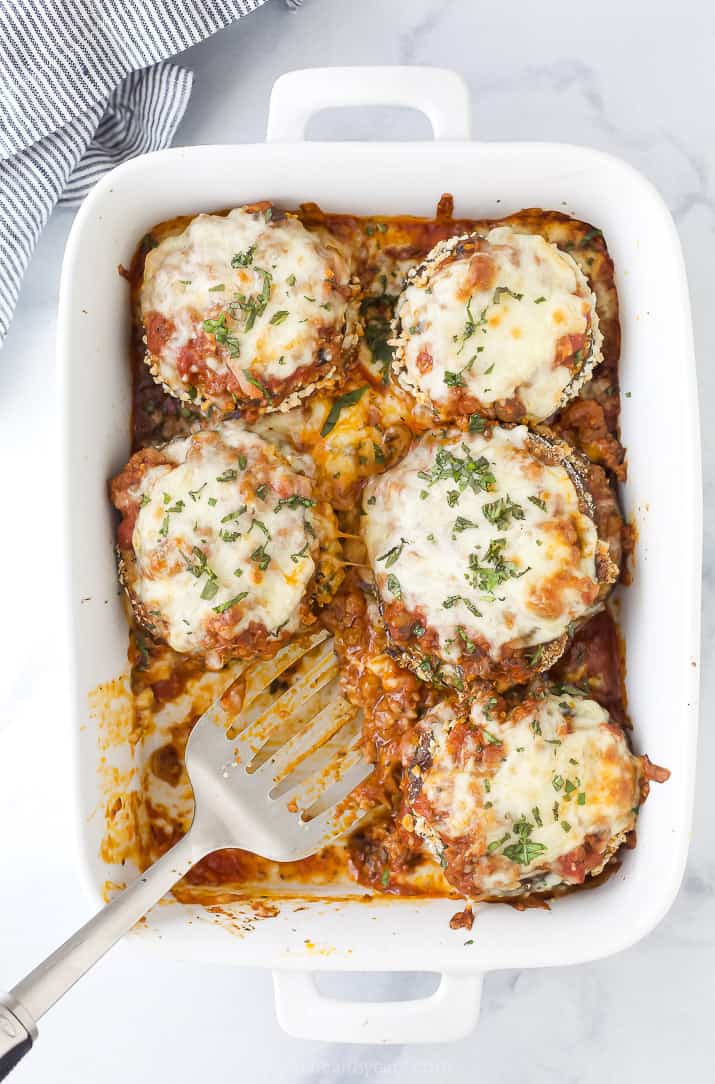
[293, 502]
[261, 558]
[233, 515]
[349, 399]
[454, 599]
[500, 512]
[466, 473]
[210, 589]
[295, 557]
[244, 259]
[393, 585]
[265, 392]
[471, 325]
[497, 843]
[488, 574]
[231, 602]
[536, 656]
[477, 424]
[393, 554]
[378, 331]
[261, 526]
[220, 330]
[500, 290]
[525, 851]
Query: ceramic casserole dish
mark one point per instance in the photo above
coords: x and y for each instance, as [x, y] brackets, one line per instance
[658, 614]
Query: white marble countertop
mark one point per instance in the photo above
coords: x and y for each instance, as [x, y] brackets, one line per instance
[635, 80]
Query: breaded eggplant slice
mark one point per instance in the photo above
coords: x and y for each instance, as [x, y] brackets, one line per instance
[531, 799]
[503, 325]
[248, 311]
[487, 551]
[223, 548]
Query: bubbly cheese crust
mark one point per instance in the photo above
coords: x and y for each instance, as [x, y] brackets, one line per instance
[225, 542]
[542, 797]
[504, 325]
[483, 545]
[249, 309]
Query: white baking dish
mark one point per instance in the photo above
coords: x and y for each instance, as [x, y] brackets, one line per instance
[659, 613]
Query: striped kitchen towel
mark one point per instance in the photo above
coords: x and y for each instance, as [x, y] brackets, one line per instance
[84, 85]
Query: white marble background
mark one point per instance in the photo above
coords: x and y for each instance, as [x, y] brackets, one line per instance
[638, 80]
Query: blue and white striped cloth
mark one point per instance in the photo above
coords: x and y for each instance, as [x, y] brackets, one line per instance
[84, 85]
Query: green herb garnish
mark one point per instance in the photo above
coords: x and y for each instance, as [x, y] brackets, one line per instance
[261, 558]
[244, 259]
[210, 589]
[454, 599]
[293, 502]
[496, 299]
[231, 602]
[265, 392]
[393, 585]
[393, 554]
[220, 330]
[502, 511]
[349, 399]
[467, 473]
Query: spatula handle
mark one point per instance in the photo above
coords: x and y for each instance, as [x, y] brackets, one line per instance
[39, 990]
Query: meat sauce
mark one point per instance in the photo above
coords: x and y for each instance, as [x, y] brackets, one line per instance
[353, 433]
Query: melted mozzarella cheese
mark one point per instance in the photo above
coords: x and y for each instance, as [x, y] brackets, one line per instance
[489, 324]
[564, 774]
[203, 273]
[514, 572]
[220, 527]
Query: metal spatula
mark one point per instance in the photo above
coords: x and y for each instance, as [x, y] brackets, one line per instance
[271, 777]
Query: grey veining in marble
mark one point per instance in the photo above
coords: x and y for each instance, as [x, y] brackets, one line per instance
[637, 79]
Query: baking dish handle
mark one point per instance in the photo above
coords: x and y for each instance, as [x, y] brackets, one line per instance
[451, 1012]
[440, 94]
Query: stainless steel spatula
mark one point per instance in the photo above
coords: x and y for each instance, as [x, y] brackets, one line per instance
[271, 778]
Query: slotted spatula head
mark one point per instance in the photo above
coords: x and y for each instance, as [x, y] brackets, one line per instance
[274, 759]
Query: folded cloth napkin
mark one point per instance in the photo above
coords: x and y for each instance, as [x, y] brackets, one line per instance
[83, 86]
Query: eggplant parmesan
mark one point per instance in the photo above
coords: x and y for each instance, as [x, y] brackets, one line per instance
[486, 552]
[475, 553]
[247, 311]
[526, 800]
[224, 550]
[503, 324]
